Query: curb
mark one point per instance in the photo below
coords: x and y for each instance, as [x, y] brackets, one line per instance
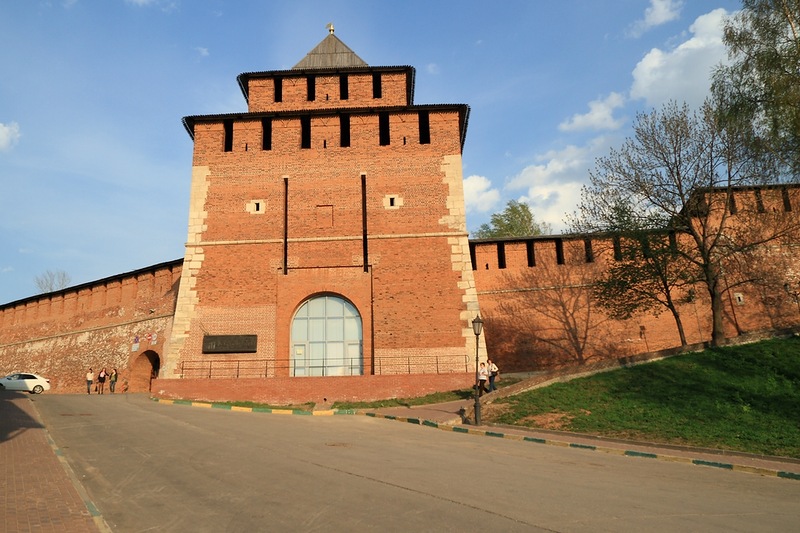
[457, 428]
[604, 449]
[91, 508]
[227, 407]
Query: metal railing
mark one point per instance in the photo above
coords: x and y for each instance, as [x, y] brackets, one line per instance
[264, 368]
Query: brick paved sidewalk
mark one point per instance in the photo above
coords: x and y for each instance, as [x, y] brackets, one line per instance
[38, 491]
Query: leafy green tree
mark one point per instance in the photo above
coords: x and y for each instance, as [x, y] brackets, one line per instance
[646, 273]
[516, 220]
[681, 171]
[645, 276]
[762, 83]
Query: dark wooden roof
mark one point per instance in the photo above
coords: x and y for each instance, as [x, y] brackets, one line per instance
[331, 52]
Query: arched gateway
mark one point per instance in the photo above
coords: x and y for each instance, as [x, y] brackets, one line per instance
[143, 369]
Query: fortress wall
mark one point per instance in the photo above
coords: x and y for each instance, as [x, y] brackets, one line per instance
[61, 334]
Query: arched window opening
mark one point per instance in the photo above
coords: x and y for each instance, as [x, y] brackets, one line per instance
[327, 338]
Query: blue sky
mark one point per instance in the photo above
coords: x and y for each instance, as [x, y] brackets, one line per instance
[95, 165]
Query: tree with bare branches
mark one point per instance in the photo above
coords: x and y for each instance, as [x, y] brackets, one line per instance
[694, 175]
[52, 281]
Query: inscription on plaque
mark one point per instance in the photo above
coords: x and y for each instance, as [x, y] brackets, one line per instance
[229, 343]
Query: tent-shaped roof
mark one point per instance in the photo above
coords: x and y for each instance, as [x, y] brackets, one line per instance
[331, 52]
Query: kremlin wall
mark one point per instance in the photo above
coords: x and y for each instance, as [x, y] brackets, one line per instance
[327, 258]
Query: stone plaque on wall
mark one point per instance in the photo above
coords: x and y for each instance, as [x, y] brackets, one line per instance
[229, 343]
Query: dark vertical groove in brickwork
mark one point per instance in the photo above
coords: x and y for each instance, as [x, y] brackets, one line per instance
[371, 324]
[285, 226]
[364, 220]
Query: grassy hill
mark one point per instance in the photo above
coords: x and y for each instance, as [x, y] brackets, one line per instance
[744, 398]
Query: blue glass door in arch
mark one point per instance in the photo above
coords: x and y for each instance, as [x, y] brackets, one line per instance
[327, 338]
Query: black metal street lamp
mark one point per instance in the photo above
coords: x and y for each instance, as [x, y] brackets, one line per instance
[477, 327]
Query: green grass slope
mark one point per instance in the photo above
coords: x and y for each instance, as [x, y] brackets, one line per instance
[743, 398]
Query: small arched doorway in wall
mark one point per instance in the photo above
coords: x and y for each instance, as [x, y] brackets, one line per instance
[327, 338]
[144, 368]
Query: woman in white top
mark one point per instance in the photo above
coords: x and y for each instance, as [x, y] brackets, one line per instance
[483, 375]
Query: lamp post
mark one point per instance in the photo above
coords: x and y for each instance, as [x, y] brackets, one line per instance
[477, 327]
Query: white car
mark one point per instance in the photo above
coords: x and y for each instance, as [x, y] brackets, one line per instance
[23, 381]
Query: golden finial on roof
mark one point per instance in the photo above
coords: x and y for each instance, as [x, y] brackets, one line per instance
[329, 27]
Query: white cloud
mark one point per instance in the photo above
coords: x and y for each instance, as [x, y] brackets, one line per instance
[553, 187]
[599, 117]
[432, 68]
[660, 12]
[9, 135]
[479, 195]
[684, 72]
[202, 51]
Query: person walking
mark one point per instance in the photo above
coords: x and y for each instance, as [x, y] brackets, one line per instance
[493, 373]
[112, 380]
[89, 380]
[101, 381]
[483, 375]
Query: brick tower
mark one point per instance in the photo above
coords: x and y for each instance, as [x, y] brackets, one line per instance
[327, 232]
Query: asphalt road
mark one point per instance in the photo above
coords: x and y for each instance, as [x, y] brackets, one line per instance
[149, 466]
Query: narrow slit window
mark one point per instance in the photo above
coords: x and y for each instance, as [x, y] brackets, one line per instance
[732, 204]
[759, 201]
[228, 125]
[383, 126]
[530, 253]
[501, 255]
[305, 132]
[424, 127]
[617, 249]
[787, 204]
[559, 252]
[266, 134]
[587, 247]
[646, 251]
[311, 83]
[377, 90]
[344, 89]
[344, 131]
[472, 257]
[278, 89]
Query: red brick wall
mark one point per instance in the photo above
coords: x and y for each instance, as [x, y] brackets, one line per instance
[411, 298]
[296, 391]
[261, 92]
[61, 334]
[542, 316]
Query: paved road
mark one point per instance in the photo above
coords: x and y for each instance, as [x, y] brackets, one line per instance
[149, 466]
